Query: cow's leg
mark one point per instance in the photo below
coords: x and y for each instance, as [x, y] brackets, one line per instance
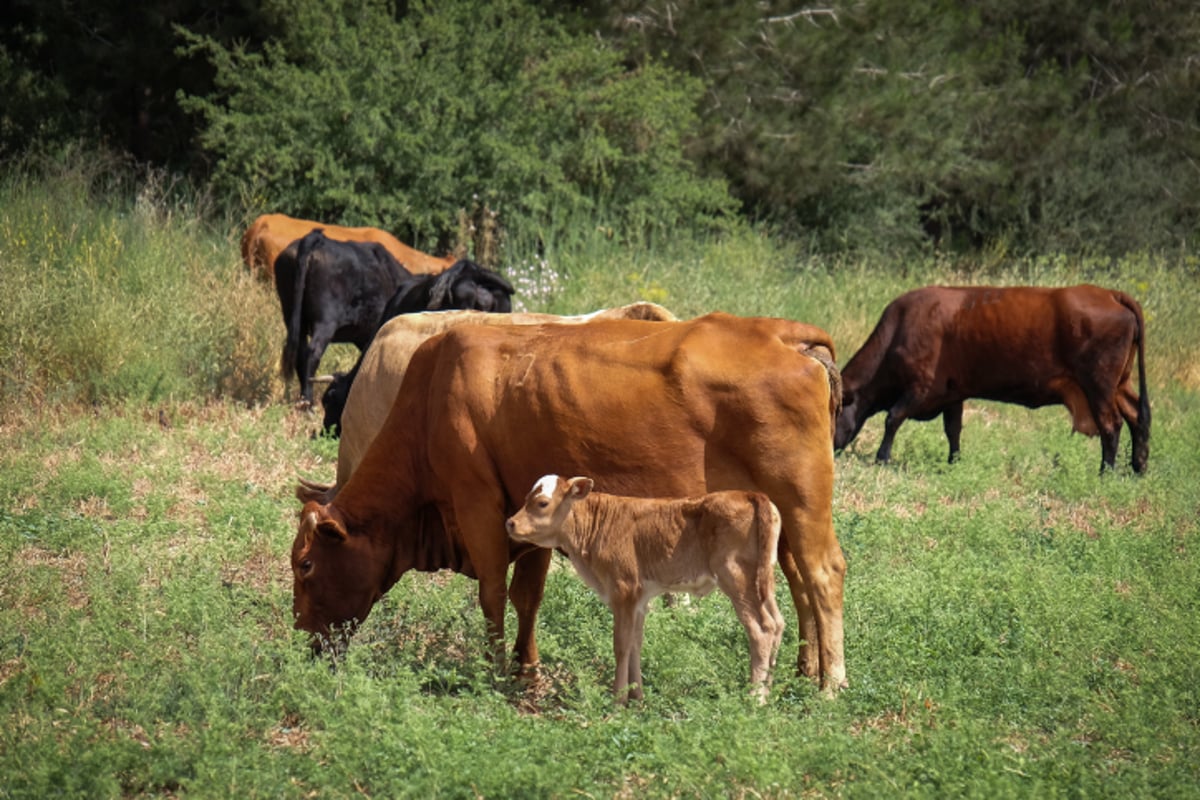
[322, 335]
[895, 418]
[301, 362]
[479, 515]
[1108, 422]
[952, 416]
[525, 592]
[1127, 402]
[807, 515]
[808, 662]
[772, 608]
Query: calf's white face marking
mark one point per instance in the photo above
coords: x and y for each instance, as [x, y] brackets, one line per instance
[546, 485]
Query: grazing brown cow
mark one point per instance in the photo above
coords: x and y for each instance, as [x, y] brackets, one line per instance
[269, 234]
[632, 549]
[935, 347]
[658, 409]
[359, 401]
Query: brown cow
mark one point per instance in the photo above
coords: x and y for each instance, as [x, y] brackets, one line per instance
[370, 393]
[661, 409]
[935, 347]
[270, 234]
[632, 549]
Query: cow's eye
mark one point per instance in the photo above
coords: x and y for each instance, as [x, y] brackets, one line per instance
[543, 504]
[306, 566]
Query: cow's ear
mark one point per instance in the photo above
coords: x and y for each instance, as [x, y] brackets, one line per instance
[315, 520]
[580, 487]
[332, 529]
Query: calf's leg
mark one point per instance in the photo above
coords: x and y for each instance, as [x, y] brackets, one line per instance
[635, 657]
[743, 591]
[624, 630]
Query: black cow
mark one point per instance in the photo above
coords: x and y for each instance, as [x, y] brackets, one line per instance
[333, 401]
[935, 347]
[465, 286]
[331, 291]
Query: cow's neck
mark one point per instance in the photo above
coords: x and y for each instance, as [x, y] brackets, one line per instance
[381, 502]
[404, 530]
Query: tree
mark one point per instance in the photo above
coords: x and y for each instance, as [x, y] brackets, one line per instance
[1048, 125]
[106, 73]
[355, 113]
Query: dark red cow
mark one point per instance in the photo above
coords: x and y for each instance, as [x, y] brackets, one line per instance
[935, 347]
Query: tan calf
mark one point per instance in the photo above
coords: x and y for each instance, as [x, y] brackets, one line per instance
[632, 549]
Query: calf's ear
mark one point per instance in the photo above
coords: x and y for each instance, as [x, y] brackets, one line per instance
[579, 487]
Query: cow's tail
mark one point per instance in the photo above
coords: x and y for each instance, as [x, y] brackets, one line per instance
[767, 523]
[825, 356]
[287, 366]
[1143, 416]
[247, 242]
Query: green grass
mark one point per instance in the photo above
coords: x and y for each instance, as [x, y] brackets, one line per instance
[1017, 624]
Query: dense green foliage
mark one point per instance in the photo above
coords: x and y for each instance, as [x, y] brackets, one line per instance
[1061, 126]
[1017, 625]
[890, 125]
[352, 114]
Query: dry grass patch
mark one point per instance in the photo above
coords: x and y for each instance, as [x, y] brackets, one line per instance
[70, 567]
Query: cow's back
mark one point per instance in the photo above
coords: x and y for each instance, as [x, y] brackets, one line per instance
[270, 234]
[382, 369]
[986, 342]
[648, 409]
[383, 365]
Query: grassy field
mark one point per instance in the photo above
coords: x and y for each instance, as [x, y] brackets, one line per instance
[1017, 625]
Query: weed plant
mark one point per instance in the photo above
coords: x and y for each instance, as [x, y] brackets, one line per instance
[1017, 624]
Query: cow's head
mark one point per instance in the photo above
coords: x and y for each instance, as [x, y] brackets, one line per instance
[337, 575]
[471, 287]
[333, 401]
[849, 421]
[547, 506]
